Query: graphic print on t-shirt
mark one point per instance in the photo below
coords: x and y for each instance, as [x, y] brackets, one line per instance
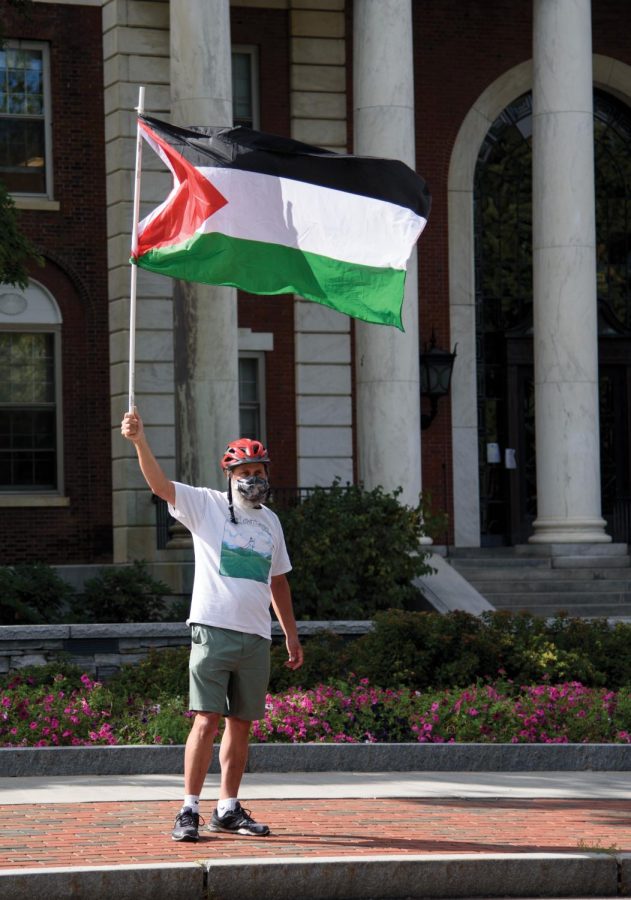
[246, 550]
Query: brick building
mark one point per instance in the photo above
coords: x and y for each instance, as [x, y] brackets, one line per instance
[335, 74]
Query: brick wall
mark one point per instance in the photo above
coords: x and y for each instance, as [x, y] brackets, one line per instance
[72, 241]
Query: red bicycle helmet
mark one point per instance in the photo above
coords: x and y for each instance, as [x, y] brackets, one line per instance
[242, 451]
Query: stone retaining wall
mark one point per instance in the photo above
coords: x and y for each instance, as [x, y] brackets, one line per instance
[20, 762]
[101, 650]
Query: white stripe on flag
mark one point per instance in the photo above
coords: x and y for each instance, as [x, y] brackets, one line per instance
[315, 219]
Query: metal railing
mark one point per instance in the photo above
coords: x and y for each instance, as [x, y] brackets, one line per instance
[280, 498]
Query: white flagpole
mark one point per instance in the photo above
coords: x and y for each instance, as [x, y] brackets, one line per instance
[134, 247]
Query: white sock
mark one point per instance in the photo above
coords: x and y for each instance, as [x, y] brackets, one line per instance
[192, 801]
[226, 806]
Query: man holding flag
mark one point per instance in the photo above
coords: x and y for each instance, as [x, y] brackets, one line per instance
[240, 568]
[268, 215]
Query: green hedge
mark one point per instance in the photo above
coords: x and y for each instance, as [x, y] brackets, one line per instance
[429, 651]
[424, 651]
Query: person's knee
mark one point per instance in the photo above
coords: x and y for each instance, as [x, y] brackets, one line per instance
[205, 725]
[238, 727]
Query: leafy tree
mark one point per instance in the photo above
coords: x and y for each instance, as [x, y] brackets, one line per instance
[15, 248]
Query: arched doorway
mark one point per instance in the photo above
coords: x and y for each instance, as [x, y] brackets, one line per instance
[503, 311]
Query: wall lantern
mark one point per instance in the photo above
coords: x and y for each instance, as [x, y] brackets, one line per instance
[436, 368]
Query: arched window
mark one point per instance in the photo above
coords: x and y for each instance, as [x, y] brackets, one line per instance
[30, 391]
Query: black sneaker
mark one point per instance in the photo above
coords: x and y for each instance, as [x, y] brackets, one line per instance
[186, 825]
[239, 821]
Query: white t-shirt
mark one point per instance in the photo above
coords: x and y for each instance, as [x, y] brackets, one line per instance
[233, 563]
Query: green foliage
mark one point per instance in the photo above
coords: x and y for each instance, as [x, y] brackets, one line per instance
[32, 594]
[428, 650]
[164, 722]
[435, 522]
[16, 250]
[125, 594]
[46, 676]
[326, 659]
[354, 552]
[160, 672]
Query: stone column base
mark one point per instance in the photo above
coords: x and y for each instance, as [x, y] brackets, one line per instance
[569, 531]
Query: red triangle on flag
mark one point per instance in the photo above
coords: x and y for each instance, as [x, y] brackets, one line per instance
[193, 200]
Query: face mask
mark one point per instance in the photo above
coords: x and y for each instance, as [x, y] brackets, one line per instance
[255, 488]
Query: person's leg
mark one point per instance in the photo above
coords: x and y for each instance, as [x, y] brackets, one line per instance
[197, 756]
[198, 751]
[233, 755]
[230, 816]
[246, 701]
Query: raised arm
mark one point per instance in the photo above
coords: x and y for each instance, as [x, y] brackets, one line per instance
[133, 429]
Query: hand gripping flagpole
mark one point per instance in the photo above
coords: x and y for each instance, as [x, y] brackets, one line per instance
[134, 250]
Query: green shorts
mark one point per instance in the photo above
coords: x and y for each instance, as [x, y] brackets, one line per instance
[228, 672]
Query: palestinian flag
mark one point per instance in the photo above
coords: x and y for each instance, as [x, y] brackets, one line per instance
[270, 215]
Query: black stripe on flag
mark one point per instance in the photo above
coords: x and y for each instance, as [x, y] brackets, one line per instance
[255, 151]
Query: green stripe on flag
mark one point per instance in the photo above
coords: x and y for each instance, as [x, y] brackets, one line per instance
[365, 292]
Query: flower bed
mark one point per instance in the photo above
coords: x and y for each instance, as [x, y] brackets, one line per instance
[47, 709]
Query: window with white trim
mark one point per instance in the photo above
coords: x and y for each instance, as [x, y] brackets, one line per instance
[30, 396]
[25, 144]
[252, 394]
[245, 86]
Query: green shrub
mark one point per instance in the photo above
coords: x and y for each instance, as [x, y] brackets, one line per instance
[160, 672]
[354, 552]
[32, 594]
[429, 650]
[326, 659]
[166, 721]
[125, 594]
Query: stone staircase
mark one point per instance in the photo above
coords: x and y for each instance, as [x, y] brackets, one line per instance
[582, 580]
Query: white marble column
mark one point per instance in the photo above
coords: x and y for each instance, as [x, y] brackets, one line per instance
[205, 317]
[564, 276]
[387, 361]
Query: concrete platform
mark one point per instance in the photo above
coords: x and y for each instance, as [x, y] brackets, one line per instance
[335, 836]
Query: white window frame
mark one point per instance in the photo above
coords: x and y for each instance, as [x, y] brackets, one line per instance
[52, 324]
[13, 44]
[253, 52]
[258, 355]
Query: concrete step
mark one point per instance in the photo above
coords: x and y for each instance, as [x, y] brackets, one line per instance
[541, 562]
[545, 551]
[589, 562]
[608, 611]
[582, 580]
[465, 563]
[601, 587]
[542, 573]
[559, 601]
